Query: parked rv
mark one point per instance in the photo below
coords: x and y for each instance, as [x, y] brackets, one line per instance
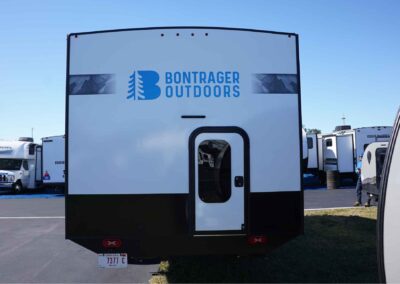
[20, 165]
[372, 165]
[314, 148]
[53, 161]
[169, 146]
[345, 146]
[389, 212]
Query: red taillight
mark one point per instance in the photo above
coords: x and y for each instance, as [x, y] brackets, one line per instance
[255, 240]
[112, 243]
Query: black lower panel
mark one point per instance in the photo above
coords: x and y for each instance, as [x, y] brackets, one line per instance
[276, 213]
[158, 225]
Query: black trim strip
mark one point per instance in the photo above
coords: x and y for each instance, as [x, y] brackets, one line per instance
[192, 186]
[382, 199]
[180, 27]
[193, 116]
[300, 130]
[66, 135]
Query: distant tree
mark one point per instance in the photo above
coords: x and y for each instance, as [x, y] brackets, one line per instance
[313, 131]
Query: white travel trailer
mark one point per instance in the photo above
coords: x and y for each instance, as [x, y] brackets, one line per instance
[20, 164]
[342, 149]
[169, 146]
[53, 160]
[389, 212]
[371, 167]
[314, 146]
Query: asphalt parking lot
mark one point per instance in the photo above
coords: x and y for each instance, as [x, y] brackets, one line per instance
[33, 248]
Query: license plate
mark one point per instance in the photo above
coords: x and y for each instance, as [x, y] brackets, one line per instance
[113, 260]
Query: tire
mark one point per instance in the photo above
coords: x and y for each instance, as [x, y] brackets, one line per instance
[18, 188]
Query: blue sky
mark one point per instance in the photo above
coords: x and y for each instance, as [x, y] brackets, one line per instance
[349, 53]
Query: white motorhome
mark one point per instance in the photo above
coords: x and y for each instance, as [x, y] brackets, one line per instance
[343, 148]
[169, 146]
[389, 212]
[371, 167]
[53, 161]
[20, 164]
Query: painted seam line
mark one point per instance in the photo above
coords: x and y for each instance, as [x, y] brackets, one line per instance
[32, 217]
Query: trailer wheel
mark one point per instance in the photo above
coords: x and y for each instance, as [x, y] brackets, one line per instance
[18, 188]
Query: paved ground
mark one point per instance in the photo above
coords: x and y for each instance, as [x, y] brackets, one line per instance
[323, 198]
[34, 249]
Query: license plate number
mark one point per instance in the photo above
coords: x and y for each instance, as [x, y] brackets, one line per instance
[113, 260]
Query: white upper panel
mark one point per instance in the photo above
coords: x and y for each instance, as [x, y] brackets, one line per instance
[118, 145]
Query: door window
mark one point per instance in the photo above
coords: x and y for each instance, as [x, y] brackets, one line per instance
[214, 170]
[329, 143]
[310, 143]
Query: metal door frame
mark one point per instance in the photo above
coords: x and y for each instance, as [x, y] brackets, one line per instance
[192, 176]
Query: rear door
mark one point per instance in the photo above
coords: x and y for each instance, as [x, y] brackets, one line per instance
[330, 154]
[219, 182]
[345, 153]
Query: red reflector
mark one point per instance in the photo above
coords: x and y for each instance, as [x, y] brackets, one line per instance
[112, 243]
[254, 240]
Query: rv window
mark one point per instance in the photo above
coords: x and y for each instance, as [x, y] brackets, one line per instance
[10, 164]
[329, 143]
[310, 143]
[25, 165]
[214, 171]
[31, 149]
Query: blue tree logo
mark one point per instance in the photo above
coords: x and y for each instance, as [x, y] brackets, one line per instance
[145, 86]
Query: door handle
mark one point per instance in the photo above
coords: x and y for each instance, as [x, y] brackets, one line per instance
[239, 181]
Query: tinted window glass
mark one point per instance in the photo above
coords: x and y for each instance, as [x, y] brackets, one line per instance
[10, 164]
[31, 149]
[214, 171]
[329, 143]
[310, 143]
[25, 165]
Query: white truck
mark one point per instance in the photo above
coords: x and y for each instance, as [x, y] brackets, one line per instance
[389, 212]
[169, 146]
[20, 165]
[53, 169]
[343, 149]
